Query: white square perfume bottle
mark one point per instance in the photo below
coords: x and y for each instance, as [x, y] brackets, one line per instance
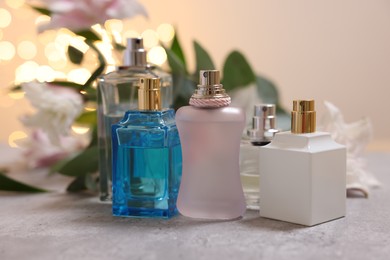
[303, 172]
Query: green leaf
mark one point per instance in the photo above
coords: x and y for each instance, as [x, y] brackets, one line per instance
[269, 94]
[95, 74]
[183, 88]
[237, 72]
[88, 117]
[78, 184]
[41, 10]
[183, 85]
[67, 84]
[9, 184]
[91, 182]
[176, 65]
[281, 111]
[61, 83]
[101, 67]
[84, 163]
[179, 102]
[81, 183]
[89, 35]
[178, 51]
[59, 165]
[203, 59]
[94, 137]
[16, 88]
[267, 90]
[89, 94]
[76, 56]
[284, 118]
[119, 46]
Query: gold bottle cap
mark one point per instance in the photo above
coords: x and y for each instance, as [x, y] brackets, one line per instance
[149, 94]
[303, 117]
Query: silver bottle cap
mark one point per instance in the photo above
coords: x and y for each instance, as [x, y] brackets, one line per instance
[209, 85]
[263, 124]
[135, 54]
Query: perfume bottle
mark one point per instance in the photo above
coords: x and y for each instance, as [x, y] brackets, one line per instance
[303, 172]
[117, 93]
[210, 132]
[146, 158]
[262, 131]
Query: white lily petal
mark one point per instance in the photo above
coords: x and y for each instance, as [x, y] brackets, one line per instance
[57, 108]
[355, 136]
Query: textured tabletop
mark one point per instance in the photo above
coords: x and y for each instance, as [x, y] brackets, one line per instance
[58, 225]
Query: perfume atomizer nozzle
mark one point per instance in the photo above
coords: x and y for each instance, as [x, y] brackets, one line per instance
[263, 124]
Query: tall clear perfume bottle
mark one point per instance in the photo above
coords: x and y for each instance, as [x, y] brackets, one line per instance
[117, 93]
[210, 132]
[262, 131]
[303, 172]
[147, 158]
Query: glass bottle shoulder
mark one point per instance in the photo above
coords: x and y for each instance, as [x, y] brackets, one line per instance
[307, 142]
[134, 73]
[223, 114]
[146, 129]
[160, 73]
[148, 118]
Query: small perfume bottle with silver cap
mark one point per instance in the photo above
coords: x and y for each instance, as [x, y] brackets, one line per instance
[210, 132]
[262, 131]
[117, 93]
[303, 172]
[146, 158]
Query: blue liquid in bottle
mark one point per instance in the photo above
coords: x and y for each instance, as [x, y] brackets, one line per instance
[147, 164]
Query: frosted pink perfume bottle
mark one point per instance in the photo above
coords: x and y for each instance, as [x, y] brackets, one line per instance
[210, 133]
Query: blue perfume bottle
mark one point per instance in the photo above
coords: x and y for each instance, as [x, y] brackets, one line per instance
[146, 158]
[117, 93]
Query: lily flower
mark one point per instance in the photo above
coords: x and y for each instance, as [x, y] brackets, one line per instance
[78, 15]
[57, 108]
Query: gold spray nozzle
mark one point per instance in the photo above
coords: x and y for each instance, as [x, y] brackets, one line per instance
[303, 117]
[149, 94]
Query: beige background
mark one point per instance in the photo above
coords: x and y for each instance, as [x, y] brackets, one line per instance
[327, 50]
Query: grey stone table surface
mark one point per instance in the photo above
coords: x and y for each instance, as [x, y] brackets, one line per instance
[58, 225]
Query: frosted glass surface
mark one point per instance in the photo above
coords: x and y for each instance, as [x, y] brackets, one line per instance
[211, 186]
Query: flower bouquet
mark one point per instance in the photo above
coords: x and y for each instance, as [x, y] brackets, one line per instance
[60, 104]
